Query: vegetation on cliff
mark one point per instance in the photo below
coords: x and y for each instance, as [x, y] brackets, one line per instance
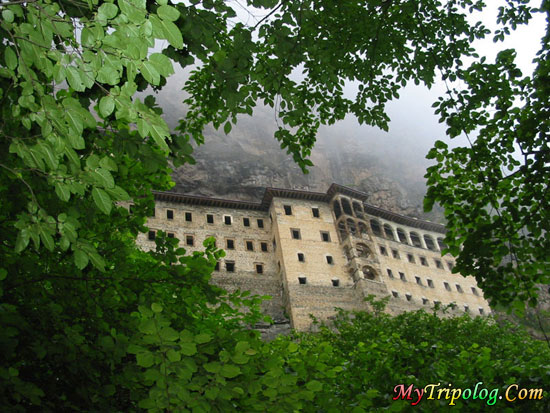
[89, 322]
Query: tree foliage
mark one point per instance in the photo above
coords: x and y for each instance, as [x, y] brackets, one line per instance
[90, 320]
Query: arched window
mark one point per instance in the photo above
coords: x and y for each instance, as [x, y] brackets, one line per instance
[389, 232]
[363, 250]
[336, 208]
[429, 242]
[402, 236]
[357, 209]
[351, 226]
[342, 230]
[441, 244]
[369, 273]
[346, 206]
[415, 239]
[375, 226]
[362, 228]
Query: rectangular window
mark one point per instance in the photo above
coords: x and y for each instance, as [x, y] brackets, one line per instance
[249, 246]
[329, 260]
[481, 311]
[447, 286]
[395, 254]
[288, 209]
[151, 235]
[301, 257]
[466, 308]
[259, 269]
[423, 261]
[274, 245]
[383, 250]
[263, 246]
[189, 240]
[260, 223]
[430, 283]
[170, 235]
[409, 297]
[390, 273]
[169, 214]
[425, 301]
[217, 267]
[295, 233]
[410, 258]
[450, 265]
[246, 222]
[302, 280]
[395, 294]
[230, 244]
[325, 236]
[474, 291]
[209, 218]
[315, 212]
[402, 276]
[188, 216]
[230, 266]
[154, 212]
[227, 220]
[438, 264]
[459, 288]
[418, 280]
[335, 282]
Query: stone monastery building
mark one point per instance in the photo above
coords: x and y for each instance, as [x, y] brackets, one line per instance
[315, 251]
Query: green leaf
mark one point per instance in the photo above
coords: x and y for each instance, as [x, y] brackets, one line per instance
[7, 15]
[168, 13]
[167, 30]
[162, 64]
[80, 259]
[22, 240]
[173, 355]
[203, 338]
[188, 349]
[102, 200]
[157, 308]
[107, 11]
[74, 79]
[314, 385]
[10, 57]
[62, 191]
[145, 359]
[230, 371]
[150, 73]
[106, 106]
[227, 127]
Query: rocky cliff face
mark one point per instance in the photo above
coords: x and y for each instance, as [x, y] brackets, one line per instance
[242, 164]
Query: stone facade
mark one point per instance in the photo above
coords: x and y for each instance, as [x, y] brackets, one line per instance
[313, 252]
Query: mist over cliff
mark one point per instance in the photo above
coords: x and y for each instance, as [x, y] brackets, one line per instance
[389, 167]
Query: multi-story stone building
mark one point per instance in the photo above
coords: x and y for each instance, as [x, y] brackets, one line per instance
[315, 251]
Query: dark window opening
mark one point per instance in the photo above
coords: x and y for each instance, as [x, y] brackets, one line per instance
[409, 297]
[418, 280]
[274, 245]
[383, 250]
[288, 209]
[459, 288]
[402, 276]
[154, 212]
[189, 240]
[315, 212]
[325, 236]
[263, 246]
[430, 283]
[301, 257]
[260, 223]
[474, 291]
[395, 254]
[438, 264]
[410, 258]
[230, 244]
[259, 269]
[329, 260]
[423, 261]
[249, 246]
[466, 308]
[209, 218]
[447, 286]
[230, 266]
[217, 267]
[335, 282]
[188, 216]
[346, 206]
[429, 242]
[295, 233]
[302, 280]
[425, 301]
[337, 209]
[451, 266]
[246, 222]
[151, 235]
[170, 235]
[375, 226]
[390, 273]
[227, 220]
[389, 232]
[402, 236]
[169, 214]
[395, 294]
[415, 239]
[481, 311]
